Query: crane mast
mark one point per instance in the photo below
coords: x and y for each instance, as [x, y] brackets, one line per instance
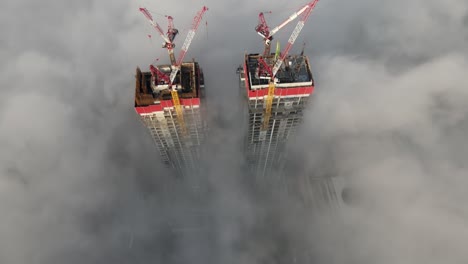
[273, 71]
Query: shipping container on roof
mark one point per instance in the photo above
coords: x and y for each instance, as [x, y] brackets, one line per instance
[265, 148]
[177, 137]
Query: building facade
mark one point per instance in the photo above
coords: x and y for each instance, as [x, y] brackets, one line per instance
[266, 141]
[177, 133]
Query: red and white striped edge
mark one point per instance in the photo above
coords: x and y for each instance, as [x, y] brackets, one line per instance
[282, 92]
[144, 110]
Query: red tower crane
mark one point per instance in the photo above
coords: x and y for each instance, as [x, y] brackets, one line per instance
[264, 31]
[161, 80]
[306, 10]
[187, 42]
[170, 35]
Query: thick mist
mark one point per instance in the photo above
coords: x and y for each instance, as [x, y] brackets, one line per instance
[80, 179]
[390, 114]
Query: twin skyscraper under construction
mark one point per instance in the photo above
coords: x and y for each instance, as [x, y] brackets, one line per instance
[276, 88]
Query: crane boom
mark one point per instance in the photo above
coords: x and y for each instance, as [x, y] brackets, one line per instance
[171, 33]
[187, 42]
[264, 31]
[148, 16]
[294, 35]
[264, 66]
[289, 19]
[297, 30]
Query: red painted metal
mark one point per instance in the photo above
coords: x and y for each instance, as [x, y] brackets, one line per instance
[302, 90]
[262, 26]
[166, 103]
[191, 34]
[161, 75]
[295, 34]
[148, 16]
[265, 67]
[278, 90]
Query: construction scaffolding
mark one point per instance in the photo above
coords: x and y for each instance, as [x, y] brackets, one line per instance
[175, 124]
[265, 141]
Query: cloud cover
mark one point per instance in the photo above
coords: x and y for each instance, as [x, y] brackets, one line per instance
[79, 181]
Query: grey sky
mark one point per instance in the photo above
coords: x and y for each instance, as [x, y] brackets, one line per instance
[79, 181]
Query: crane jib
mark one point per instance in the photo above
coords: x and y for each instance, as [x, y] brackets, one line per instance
[156, 26]
[188, 40]
[296, 32]
[290, 18]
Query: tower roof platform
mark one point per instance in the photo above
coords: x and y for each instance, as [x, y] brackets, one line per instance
[152, 93]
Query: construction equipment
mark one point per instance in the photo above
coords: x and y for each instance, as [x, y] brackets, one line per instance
[178, 108]
[267, 35]
[170, 35]
[176, 68]
[264, 31]
[187, 42]
[171, 31]
[162, 82]
[167, 82]
[159, 80]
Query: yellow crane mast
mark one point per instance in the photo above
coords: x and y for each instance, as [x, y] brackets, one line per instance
[179, 112]
[268, 104]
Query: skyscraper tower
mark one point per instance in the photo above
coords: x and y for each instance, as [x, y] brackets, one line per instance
[266, 144]
[177, 135]
[169, 98]
[277, 87]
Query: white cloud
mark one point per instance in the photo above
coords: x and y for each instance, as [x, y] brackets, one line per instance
[75, 162]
